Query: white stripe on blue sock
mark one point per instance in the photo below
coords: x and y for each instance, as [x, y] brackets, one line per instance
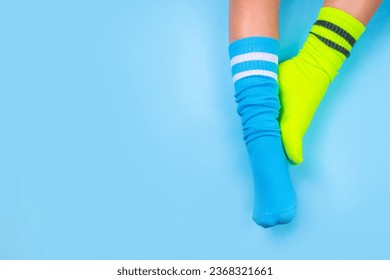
[259, 72]
[262, 56]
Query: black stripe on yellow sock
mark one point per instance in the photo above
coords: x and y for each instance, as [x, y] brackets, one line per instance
[332, 44]
[338, 30]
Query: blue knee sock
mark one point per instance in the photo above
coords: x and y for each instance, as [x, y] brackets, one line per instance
[254, 62]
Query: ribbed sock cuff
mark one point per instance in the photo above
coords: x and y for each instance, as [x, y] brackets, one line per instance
[337, 29]
[254, 56]
[254, 44]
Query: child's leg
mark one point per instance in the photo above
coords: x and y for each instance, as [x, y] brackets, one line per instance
[362, 10]
[305, 78]
[248, 18]
[254, 60]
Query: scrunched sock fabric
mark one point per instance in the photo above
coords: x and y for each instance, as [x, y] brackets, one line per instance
[254, 62]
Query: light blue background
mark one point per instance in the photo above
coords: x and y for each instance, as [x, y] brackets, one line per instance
[119, 138]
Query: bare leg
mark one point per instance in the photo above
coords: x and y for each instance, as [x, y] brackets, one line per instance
[362, 10]
[253, 18]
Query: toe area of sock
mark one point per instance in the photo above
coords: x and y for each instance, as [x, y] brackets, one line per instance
[268, 220]
[293, 147]
[294, 157]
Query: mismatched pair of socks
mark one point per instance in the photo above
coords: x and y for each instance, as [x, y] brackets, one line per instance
[276, 110]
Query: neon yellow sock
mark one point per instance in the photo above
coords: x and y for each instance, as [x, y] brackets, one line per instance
[304, 79]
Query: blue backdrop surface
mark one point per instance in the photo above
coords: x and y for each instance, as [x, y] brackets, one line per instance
[119, 138]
